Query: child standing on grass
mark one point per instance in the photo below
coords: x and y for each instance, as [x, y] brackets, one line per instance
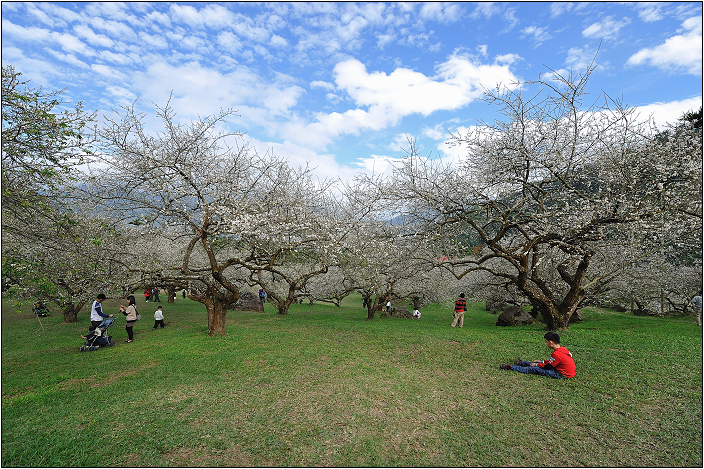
[158, 318]
[560, 364]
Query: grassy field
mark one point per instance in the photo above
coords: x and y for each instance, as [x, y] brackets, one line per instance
[323, 386]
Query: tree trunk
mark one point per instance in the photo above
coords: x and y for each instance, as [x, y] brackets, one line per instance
[172, 294]
[373, 306]
[282, 307]
[282, 304]
[71, 311]
[217, 311]
[216, 317]
[558, 318]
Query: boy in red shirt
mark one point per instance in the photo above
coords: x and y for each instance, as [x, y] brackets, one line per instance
[560, 364]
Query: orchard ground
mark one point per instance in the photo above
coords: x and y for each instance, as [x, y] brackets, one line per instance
[324, 386]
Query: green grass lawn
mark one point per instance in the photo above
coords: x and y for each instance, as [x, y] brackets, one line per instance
[323, 386]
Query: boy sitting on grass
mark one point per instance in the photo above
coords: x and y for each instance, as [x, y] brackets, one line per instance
[560, 364]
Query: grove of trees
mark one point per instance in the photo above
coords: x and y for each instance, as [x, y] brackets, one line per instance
[561, 202]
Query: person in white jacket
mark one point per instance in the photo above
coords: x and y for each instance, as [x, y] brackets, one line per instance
[158, 318]
[96, 313]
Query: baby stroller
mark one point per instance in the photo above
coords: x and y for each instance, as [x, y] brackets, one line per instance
[98, 337]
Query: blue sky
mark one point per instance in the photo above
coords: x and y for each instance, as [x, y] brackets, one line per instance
[341, 85]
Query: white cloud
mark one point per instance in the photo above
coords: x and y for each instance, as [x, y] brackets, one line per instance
[111, 9]
[389, 98]
[578, 59]
[119, 59]
[322, 84]
[606, 29]
[36, 70]
[67, 42]
[121, 92]
[438, 132]
[229, 41]
[211, 16]
[511, 20]
[278, 41]
[69, 59]
[153, 41]
[400, 143]
[352, 30]
[507, 59]
[42, 16]
[107, 71]
[246, 28]
[650, 12]
[280, 100]
[440, 12]
[92, 38]
[539, 35]
[199, 90]
[663, 113]
[384, 39]
[333, 98]
[680, 52]
[405, 91]
[158, 17]
[115, 28]
[377, 164]
[485, 10]
[559, 8]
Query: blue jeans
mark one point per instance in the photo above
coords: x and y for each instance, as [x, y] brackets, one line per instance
[525, 367]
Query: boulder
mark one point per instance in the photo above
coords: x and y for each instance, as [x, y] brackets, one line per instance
[398, 312]
[515, 316]
[644, 312]
[249, 302]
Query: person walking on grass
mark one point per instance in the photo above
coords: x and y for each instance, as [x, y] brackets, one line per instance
[460, 309]
[158, 318]
[697, 306]
[131, 312]
[96, 312]
[560, 364]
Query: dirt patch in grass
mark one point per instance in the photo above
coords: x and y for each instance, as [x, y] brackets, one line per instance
[9, 397]
[116, 376]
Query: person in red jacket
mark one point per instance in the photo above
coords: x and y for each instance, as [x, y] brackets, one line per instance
[460, 308]
[560, 364]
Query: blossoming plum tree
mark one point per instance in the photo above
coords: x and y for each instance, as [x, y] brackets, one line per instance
[552, 186]
[233, 217]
